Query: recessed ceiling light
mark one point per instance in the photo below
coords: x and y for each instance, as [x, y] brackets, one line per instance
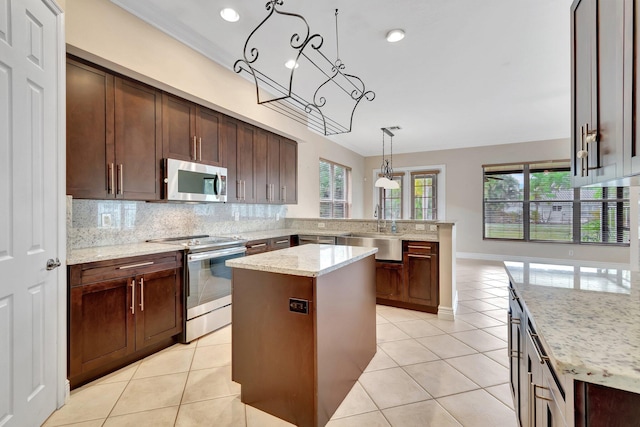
[290, 64]
[229, 14]
[395, 35]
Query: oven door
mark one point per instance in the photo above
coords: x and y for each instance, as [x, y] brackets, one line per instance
[209, 280]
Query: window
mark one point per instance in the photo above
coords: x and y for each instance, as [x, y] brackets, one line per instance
[535, 202]
[334, 190]
[424, 200]
[391, 200]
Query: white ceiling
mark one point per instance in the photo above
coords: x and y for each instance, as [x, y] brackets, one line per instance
[468, 73]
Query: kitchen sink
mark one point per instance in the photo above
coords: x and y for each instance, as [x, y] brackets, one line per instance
[389, 245]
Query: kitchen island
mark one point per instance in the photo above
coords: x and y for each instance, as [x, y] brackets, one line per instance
[574, 339]
[304, 328]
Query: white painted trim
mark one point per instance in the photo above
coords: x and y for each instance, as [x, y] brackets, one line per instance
[446, 313]
[503, 258]
[62, 384]
[406, 183]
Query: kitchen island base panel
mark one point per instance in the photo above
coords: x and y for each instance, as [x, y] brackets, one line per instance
[300, 367]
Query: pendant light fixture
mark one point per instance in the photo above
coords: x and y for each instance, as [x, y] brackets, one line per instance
[386, 167]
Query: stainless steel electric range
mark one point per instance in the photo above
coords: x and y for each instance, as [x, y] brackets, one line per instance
[207, 281]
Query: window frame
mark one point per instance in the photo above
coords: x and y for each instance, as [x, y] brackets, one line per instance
[346, 202]
[434, 191]
[577, 203]
[382, 195]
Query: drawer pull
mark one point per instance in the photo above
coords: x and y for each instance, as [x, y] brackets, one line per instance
[259, 245]
[142, 264]
[279, 242]
[418, 256]
[541, 357]
[418, 247]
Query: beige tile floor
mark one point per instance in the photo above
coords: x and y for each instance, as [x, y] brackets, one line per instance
[426, 372]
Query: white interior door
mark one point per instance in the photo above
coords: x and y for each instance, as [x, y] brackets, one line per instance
[30, 201]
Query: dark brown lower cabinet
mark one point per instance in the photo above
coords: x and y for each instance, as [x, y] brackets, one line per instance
[412, 283]
[598, 405]
[389, 280]
[122, 310]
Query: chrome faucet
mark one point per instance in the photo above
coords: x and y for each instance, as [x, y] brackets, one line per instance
[378, 215]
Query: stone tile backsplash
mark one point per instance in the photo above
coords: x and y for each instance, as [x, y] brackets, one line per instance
[93, 223]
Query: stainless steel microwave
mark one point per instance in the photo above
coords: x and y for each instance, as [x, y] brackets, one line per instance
[194, 182]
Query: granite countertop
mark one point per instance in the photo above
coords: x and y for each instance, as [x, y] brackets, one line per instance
[588, 319]
[306, 260]
[103, 253]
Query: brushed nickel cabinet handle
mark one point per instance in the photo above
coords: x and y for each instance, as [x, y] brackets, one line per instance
[141, 294]
[279, 242]
[259, 245]
[268, 192]
[195, 148]
[111, 178]
[418, 256]
[133, 296]
[541, 357]
[200, 149]
[120, 178]
[283, 194]
[142, 264]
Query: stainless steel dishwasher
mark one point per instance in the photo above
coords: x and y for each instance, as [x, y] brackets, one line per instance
[304, 239]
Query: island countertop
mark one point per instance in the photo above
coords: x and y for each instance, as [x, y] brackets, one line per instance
[588, 319]
[306, 260]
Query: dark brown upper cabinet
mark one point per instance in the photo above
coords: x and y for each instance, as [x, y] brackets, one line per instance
[113, 136]
[191, 132]
[602, 91]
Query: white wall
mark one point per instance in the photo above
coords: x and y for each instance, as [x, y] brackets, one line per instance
[102, 32]
[464, 190]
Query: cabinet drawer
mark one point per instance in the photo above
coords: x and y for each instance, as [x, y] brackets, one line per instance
[257, 246]
[279, 243]
[426, 248]
[124, 267]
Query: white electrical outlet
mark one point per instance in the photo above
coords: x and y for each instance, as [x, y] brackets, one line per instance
[277, 217]
[433, 228]
[105, 220]
[419, 226]
[570, 253]
[321, 225]
[236, 216]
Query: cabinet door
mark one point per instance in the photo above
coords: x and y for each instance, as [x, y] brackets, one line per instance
[101, 324]
[159, 307]
[631, 82]
[90, 153]
[288, 171]
[273, 168]
[229, 137]
[244, 163]
[597, 90]
[137, 141]
[260, 171]
[210, 148]
[389, 281]
[422, 278]
[178, 128]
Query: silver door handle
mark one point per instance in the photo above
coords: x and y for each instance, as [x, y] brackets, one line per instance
[121, 178]
[110, 178]
[141, 294]
[418, 256]
[200, 149]
[133, 296]
[52, 265]
[195, 148]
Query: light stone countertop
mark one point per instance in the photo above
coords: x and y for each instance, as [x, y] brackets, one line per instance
[103, 253]
[306, 260]
[588, 319]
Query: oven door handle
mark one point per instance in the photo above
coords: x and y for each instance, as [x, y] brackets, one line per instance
[200, 256]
